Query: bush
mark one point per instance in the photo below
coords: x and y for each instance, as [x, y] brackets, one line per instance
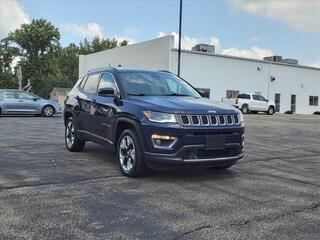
[316, 113]
[288, 112]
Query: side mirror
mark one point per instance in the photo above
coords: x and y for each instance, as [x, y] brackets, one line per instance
[106, 92]
[204, 94]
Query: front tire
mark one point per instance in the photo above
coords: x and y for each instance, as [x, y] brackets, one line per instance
[270, 110]
[48, 111]
[72, 141]
[129, 154]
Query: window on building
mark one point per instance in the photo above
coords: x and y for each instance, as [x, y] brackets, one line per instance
[92, 84]
[232, 93]
[313, 100]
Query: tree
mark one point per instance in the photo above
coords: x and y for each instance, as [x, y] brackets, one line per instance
[38, 43]
[7, 54]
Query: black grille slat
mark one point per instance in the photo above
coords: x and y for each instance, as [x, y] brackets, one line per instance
[195, 120]
[222, 120]
[229, 120]
[205, 120]
[185, 120]
[213, 120]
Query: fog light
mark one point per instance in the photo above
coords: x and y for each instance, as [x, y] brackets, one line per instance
[163, 141]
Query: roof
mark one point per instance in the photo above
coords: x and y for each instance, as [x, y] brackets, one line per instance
[247, 59]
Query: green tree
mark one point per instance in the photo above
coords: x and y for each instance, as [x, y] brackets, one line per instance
[38, 44]
[7, 54]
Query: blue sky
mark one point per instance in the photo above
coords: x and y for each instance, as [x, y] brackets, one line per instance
[243, 27]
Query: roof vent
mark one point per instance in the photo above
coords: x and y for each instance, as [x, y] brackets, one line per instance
[204, 48]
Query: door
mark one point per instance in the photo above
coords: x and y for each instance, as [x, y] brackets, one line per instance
[105, 109]
[86, 100]
[293, 103]
[277, 102]
[259, 103]
[28, 103]
[8, 102]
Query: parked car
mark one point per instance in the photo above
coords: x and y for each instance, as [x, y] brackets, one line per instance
[251, 102]
[15, 102]
[152, 119]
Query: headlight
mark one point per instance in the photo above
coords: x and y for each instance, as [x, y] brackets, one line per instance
[241, 118]
[160, 117]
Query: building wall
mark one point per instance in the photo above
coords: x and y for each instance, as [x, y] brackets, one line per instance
[219, 73]
[151, 55]
[225, 73]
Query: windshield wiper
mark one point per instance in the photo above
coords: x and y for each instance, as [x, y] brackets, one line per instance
[177, 94]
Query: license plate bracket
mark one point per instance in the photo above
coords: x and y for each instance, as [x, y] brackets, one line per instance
[215, 142]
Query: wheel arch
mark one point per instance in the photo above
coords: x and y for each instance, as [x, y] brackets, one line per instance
[123, 123]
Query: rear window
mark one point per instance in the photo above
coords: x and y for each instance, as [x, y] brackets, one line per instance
[91, 84]
[244, 96]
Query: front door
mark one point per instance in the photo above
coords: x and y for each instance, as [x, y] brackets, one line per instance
[105, 109]
[28, 103]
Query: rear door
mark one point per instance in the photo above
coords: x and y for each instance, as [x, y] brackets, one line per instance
[86, 100]
[9, 103]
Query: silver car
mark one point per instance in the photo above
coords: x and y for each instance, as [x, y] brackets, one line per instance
[21, 102]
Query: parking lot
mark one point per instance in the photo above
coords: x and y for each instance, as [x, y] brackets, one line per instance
[49, 193]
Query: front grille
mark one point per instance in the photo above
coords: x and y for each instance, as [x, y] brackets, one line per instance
[208, 120]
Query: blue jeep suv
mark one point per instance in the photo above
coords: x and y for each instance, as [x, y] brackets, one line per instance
[152, 119]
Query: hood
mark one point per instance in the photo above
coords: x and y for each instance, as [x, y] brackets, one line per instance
[182, 105]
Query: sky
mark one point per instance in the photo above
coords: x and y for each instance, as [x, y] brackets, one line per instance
[246, 28]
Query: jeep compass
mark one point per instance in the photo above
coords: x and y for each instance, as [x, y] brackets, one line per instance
[151, 119]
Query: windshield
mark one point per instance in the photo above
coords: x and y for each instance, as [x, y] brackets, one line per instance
[155, 84]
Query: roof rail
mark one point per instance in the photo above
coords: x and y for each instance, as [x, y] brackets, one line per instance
[99, 69]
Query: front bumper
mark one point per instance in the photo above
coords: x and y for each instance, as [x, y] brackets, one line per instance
[190, 149]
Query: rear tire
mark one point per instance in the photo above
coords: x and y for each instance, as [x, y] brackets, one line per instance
[72, 141]
[245, 109]
[129, 153]
[270, 110]
[48, 111]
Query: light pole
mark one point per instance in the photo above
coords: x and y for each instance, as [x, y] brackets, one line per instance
[179, 48]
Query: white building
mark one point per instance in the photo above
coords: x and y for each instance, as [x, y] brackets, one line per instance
[293, 87]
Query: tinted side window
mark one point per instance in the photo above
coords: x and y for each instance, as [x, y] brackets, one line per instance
[83, 81]
[107, 80]
[256, 97]
[244, 96]
[7, 95]
[24, 95]
[92, 84]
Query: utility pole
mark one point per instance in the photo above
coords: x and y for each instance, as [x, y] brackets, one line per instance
[179, 48]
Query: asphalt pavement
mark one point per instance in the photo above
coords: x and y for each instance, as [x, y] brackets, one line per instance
[47, 192]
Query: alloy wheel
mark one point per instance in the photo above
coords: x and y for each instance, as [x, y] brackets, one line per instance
[127, 153]
[70, 134]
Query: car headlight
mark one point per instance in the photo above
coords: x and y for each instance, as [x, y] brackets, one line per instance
[160, 117]
[241, 118]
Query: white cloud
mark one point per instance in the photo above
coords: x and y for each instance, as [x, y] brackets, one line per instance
[12, 16]
[89, 30]
[298, 14]
[188, 42]
[254, 52]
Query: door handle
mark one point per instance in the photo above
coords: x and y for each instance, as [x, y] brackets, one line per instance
[20, 101]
